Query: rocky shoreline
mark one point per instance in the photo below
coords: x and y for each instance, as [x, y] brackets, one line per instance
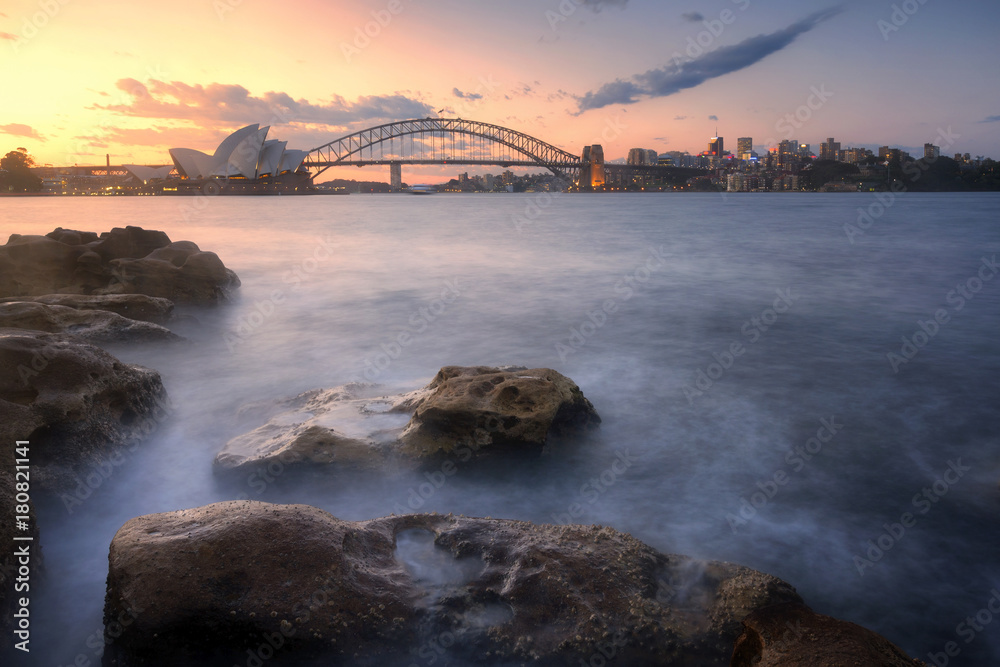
[238, 581]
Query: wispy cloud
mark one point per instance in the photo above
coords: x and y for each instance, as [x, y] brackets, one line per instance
[466, 96]
[231, 104]
[7, 35]
[599, 5]
[713, 117]
[724, 60]
[991, 119]
[21, 130]
[693, 17]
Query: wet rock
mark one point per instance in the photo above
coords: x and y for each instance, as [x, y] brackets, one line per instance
[209, 584]
[467, 412]
[492, 410]
[78, 405]
[133, 306]
[128, 260]
[347, 427]
[791, 634]
[180, 272]
[94, 325]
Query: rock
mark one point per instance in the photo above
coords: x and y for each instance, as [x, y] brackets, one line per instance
[493, 410]
[212, 583]
[467, 412]
[133, 306]
[791, 634]
[179, 272]
[95, 325]
[76, 404]
[348, 427]
[128, 260]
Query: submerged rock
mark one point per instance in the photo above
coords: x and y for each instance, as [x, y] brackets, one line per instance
[468, 412]
[207, 585]
[76, 404]
[133, 306]
[128, 260]
[791, 634]
[95, 325]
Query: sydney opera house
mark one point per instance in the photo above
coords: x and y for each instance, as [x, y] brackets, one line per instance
[246, 162]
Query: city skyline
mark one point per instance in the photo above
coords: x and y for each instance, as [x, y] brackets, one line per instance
[132, 82]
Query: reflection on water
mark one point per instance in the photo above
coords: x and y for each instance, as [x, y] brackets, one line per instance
[389, 289]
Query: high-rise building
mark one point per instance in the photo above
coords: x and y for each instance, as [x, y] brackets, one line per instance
[715, 147]
[883, 153]
[744, 147]
[829, 150]
[641, 156]
[931, 152]
[788, 150]
[805, 150]
[652, 157]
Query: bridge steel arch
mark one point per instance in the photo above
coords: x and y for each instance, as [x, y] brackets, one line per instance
[342, 150]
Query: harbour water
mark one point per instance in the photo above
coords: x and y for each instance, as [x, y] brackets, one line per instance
[777, 390]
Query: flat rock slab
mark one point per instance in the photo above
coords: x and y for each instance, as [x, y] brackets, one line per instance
[210, 583]
[128, 260]
[473, 412]
[74, 402]
[133, 306]
[792, 634]
[100, 326]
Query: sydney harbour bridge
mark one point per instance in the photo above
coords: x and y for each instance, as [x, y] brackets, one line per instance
[441, 141]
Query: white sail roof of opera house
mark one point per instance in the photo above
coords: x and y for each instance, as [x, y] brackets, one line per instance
[245, 153]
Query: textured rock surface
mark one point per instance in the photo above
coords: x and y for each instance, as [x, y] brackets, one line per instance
[76, 403]
[791, 634]
[94, 325]
[493, 410]
[133, 306]
[348, 426]
[468, 412]
[128, 260]
[211, 583]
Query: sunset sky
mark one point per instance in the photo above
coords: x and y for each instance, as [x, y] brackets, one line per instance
[86, 78]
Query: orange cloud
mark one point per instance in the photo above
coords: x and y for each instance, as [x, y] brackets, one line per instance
[21, 130]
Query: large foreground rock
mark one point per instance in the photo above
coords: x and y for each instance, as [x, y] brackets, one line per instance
[128, 260]
[95, 325]
[791, 634]
[133, 306]
[465, 413]
[75, 403]
[207, 585]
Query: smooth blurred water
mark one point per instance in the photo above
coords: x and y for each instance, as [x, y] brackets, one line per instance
[329, 284]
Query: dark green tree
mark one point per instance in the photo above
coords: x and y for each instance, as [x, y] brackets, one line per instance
[15, 172]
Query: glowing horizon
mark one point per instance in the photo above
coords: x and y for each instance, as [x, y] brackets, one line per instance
[99, 78]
